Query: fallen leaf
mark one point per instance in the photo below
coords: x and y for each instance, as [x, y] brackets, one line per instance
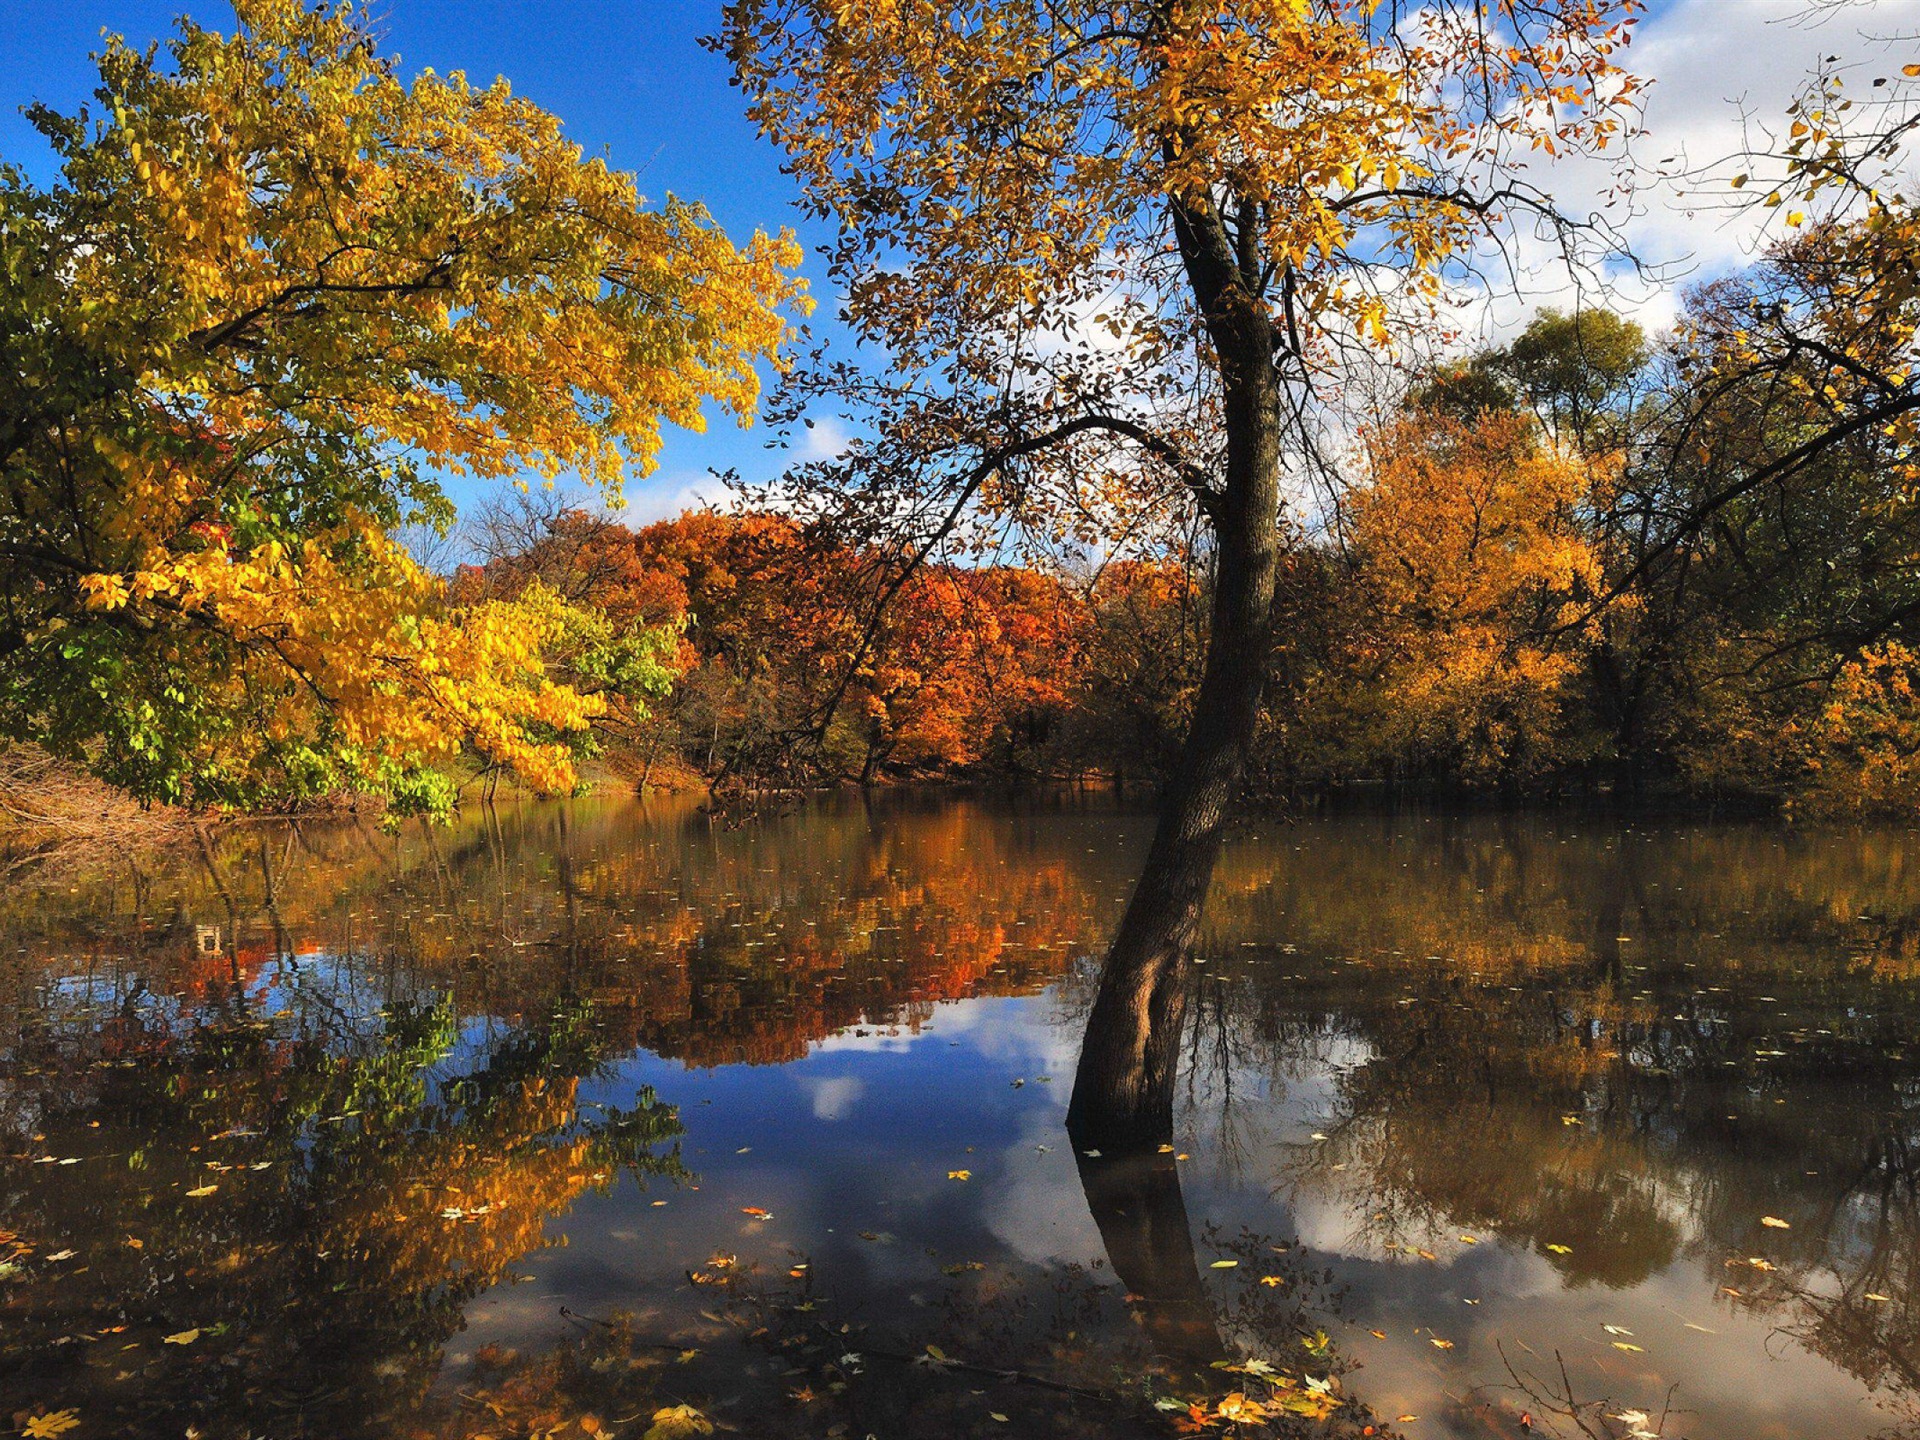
[182, 1337]
[203, 1190]
[50, 1424]
[1773, 1222]
[678, 1422]
[1223, 1264]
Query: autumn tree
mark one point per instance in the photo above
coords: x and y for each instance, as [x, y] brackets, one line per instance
[1111, 250]
[1765, 528]
[1472, 548]
[276, 288]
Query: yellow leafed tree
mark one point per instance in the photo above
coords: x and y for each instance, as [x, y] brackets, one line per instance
[275, 290]
[1473, 556]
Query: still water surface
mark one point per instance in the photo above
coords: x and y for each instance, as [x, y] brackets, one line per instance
[574, 1113]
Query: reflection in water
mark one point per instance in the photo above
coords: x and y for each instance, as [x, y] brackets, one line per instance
[1136, 1201]
[363, 1115]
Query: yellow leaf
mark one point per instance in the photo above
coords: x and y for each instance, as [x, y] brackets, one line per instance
[678, 1422]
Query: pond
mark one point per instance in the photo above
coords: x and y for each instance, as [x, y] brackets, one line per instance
[570, 1116]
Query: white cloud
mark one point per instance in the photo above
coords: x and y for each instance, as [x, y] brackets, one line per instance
[1721, 73]
[835, 1097]
[661, 497]
[824, 439]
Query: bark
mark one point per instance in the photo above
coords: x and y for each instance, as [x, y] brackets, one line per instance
[1123, 1089]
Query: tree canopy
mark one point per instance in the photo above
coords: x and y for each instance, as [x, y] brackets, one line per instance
[276, 291]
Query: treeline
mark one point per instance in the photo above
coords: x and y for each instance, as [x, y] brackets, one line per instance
[1530, 584]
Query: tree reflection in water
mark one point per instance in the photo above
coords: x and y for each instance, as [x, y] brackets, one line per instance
[1603, 1056]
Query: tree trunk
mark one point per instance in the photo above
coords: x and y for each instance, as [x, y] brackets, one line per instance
[1123, 1089]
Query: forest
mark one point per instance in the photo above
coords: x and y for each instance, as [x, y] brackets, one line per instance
[1505, 602]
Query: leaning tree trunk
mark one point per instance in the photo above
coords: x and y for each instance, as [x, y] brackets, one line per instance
[1123, 1089]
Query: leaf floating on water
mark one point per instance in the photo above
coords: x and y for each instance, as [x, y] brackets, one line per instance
[1166, 1149]
[181, 1337]
[1701, 1328]
[1440, 1344]
[996, 1415]
[1091, 1154]
[1223, 1264]
[63, 1255]
[1773, 1222]
[1617, 1330]
[959, 1174]
[1273, 1280]
[756, 1212]
[50, 1424]
[1469, 1239]
[743, 1150]
[678, 1422]
[1630, 1349]
[1561, 1249]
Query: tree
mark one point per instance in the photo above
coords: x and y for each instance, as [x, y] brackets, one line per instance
[277, 287]
[1110, 250]
[1472, 549]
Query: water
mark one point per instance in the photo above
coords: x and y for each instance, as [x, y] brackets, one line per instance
[569, 1116]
